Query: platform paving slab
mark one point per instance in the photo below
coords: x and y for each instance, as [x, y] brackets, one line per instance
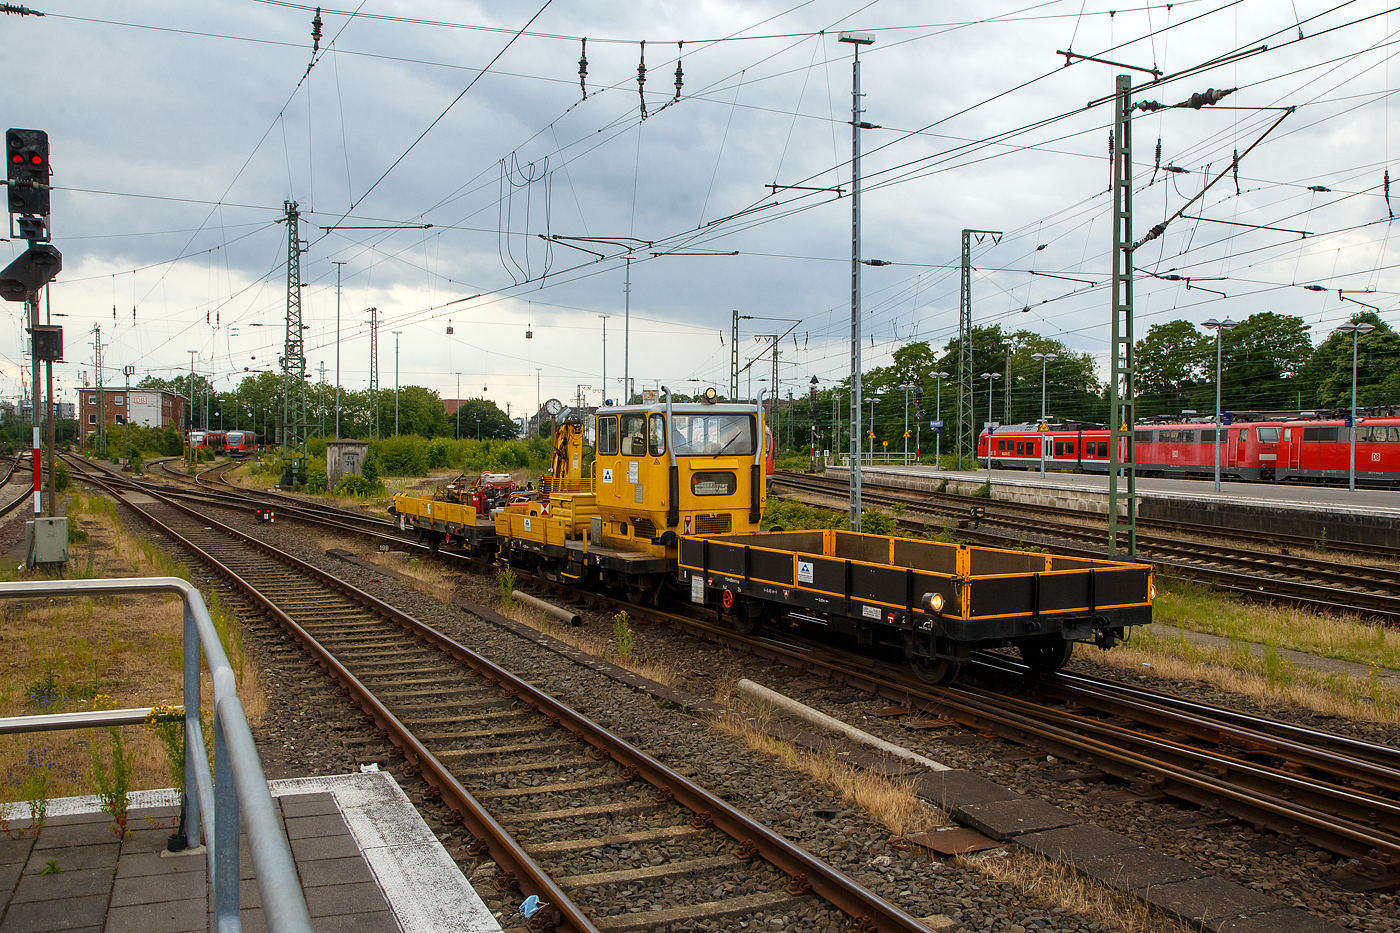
[1209, 903]
[366, 860]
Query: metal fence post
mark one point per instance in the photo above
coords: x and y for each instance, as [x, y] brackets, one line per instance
[226, 830]
[191, 789]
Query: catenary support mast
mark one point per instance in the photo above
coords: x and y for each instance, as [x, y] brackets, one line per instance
[1122, 462]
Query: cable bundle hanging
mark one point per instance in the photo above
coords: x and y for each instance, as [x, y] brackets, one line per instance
[583, 68]
[680, 75]
[642, 79]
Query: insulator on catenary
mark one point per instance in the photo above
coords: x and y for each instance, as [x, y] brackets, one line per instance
[1236, 168]
[642, 79]
[680, 75]
[1157, 163]
[316, 32]
[583, 68]
[1390, 209]
[1111, 150]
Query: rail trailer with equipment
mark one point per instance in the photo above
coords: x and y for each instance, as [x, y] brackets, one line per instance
[1294, 451]
[674, 502]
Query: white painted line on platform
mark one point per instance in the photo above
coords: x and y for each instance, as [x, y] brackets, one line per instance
[424, 887]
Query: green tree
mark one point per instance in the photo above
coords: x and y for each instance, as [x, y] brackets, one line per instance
[1262, 358]
[1171, 368]
[1325, 381]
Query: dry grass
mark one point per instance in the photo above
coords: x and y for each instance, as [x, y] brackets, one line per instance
[1056, 883]
[1346, 638]
[892, 802]
[67, 655]
[1271, 679]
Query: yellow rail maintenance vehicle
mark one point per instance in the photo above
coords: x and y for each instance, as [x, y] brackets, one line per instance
[660, 471]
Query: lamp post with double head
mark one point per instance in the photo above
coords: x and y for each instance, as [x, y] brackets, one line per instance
[872, 431]
[1219, 327]
[906, 387]
[1356, 329]
[991, 378]
[1043, 359]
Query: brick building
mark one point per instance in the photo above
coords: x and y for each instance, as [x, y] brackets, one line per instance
[154, 407]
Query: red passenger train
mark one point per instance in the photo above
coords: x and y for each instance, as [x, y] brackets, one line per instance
[1306, 451]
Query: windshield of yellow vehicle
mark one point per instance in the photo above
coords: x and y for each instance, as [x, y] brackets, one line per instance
[712, 435]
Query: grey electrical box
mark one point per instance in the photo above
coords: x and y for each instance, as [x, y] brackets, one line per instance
[46, 541]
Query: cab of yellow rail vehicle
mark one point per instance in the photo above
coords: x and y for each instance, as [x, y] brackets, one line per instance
[671, 469]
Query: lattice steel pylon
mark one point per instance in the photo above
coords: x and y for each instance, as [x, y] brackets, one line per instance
[967, 418]
[374, 370]
[294, 453]
[1122, 383]
[734, 358]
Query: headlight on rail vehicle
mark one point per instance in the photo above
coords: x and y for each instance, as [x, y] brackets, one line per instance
[933, 602]
[1151, 590]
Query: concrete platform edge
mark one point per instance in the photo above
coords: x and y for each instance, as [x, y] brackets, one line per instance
[405, 856]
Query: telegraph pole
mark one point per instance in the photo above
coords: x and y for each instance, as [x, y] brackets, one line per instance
[967, 416]
[1122, 383]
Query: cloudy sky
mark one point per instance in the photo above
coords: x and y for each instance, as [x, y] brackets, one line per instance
[178, 131]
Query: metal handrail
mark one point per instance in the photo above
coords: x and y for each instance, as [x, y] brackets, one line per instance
[237, 789]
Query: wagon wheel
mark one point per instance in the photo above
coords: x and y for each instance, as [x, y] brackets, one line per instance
[936, 671]
[1046, 654]
[746, 618]
[644, 593]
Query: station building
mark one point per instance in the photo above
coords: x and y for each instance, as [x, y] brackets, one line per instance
[155, 408]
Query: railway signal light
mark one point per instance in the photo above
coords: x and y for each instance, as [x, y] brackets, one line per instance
[30, 271]
[27, 171]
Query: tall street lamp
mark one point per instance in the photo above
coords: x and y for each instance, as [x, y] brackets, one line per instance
[938, 418]
[1042, 359]
[1356, 330]
[991, 378]
[906, 387]
[1219, 327]
[872, 431]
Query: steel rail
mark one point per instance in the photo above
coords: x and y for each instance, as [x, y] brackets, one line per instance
[1358, 749]
[807, 872]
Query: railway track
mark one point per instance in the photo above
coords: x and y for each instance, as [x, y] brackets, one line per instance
[1337, 793]
[1297, 579]
[562, 805]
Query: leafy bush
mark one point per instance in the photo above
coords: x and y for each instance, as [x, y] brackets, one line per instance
[438, 453]
[358, 486]
[62, 479]
[316, 478]
[875, 522]
[401, 455]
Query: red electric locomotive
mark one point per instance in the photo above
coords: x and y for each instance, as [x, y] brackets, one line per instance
[1258, 451]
